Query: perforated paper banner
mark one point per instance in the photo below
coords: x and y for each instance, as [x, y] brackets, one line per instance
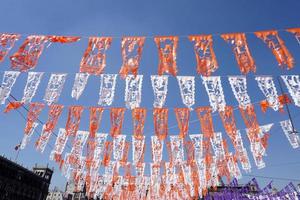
[157, 146]
[292, 83]
[107, 89]
[59, 145]
[187, 90]
[80, 82]
[27, 136]
[160, 90]
[239, 88]
[33, 81]
[7, 42]
[133, 91]
[54, 88]
[74, 116]
[8, 81]
[291, 134]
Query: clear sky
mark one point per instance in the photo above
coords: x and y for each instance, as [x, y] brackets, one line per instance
[150, 18]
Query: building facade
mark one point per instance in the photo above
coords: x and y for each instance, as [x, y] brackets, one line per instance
[19, 183]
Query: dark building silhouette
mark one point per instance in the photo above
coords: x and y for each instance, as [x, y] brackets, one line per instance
[19, 183]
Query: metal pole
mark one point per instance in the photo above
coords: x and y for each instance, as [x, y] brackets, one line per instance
[286, 106]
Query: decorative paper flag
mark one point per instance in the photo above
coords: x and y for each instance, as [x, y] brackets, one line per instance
[107, 89]
[189, 152]
[33, 81]
[80, 82]
[241, 51]
[292, 83]
[205, 118]
[94, 58]
[77, 148]
[95, 150]
[124, 159]
[187, 90]
[54, 113]
[276, 44]
[296, 32]
[13, 105]
[291, 134]
[133, 91]
[160, 90]
[182, 117]
[95, 118]
[59, 146]
[264, 134]
[32, 115]
[177, 149]
[132, 48]
[167, 47]
[197, 140]
[27, 56]
[54, 88]
[138, 147]
[118, 146]
[138, 118]
[73, 121]
[215, 93]
[205, 55]
[7, 42]
[8, 81]
[116, 120]
[267, 86]
[235, 136]
[187, 178]
[160, 118]
[63, 39]
[157, 146]
[233, 167]
[217, 145]
[27, 136]
[239, 88]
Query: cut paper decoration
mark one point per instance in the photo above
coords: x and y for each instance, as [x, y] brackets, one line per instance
[8, 81]
[13, 105]
[267, 86]
[33, 81]
[229, 123]
[63, 39]
[177, 150]
[205, 55]
[138, 119]
[60, 143]
[205, 117]
[197, 140]
[167, 47]
[133, 91]
[118, 146]
[107, 89]
[27, 56]
[95, 118]
[54, 88]
[215, 93]
[296, 32]
[292, 83]
[187, 90]
[94, 58]
[291, 134]
[217, 145]
[77, 148]
[160, 118]
[32, 115]
[116, 120]
[239, 88]
[276, 44]
[7, 42]
[138, 147]
[132, 48]
[241, 51]
[80, 82]
[182, 117]
[27, 136]
[95, 150]
[53, 116]
[157, 146]
[160, 90]
[73, 120]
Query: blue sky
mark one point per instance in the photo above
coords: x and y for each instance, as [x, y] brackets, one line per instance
[150, 18]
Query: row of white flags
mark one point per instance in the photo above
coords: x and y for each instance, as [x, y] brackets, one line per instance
[133, 89]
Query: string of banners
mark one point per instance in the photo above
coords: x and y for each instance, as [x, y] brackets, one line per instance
[133, 89]
[195, 162]
[94, 58]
